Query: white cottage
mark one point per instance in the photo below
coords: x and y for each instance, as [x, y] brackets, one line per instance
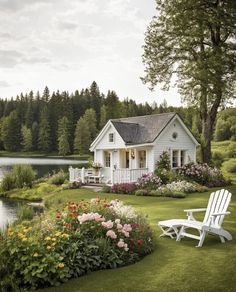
[126, 148]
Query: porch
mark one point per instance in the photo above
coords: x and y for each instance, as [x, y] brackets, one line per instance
[92, 176]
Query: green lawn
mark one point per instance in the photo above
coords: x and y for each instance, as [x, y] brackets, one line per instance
[173, 266]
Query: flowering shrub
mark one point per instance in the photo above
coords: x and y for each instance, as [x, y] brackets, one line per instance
[149, 181]
[124, 188]
[164, 161]
[83, 237]
[181, 186]
[202, 174]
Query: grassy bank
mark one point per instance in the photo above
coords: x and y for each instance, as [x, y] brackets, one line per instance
[227, 150]
[174, 266]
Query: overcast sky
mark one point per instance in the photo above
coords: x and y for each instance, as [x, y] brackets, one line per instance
[68, 44]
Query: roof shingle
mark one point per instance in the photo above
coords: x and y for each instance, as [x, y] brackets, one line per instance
[142, 129]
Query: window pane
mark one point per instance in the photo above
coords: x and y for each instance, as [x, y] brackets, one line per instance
[142, 159]
[111, 137]
[182, 159]
[107, 159]
[175, 158]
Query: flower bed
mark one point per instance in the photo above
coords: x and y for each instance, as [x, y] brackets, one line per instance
[202, 174]
[83, 237]
[123, 188]
[149, 181]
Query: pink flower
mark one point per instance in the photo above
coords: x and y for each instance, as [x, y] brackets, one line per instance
[121, 243]
[126, 234]
[127, 227]
[108, 224]
[111, 234]
[119, 226]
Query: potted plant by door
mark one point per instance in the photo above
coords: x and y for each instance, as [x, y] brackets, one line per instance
[96, 166]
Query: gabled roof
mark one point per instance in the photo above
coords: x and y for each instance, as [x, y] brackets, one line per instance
[142, 129]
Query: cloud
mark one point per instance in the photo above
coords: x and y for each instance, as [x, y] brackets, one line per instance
[4, 84]
[9, 58]
[16, 5]
[67, 25]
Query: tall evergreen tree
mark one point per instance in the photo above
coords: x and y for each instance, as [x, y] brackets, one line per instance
[35, 134]
[82, 137]
[44, 137]
[26, 138]
[63, 136]
[11, 132]
[90, 118]
[103, 117]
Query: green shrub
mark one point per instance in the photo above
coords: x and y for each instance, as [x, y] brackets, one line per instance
[142, 192]
[156, 193]
[8, 182]
[24, 175]
[179, 195]
[106, 189]
[58, 178]
[164, 161]
[217, 159]
[231, 168]
[24, 212]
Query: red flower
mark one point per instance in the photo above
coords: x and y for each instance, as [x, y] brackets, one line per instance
[139, 241]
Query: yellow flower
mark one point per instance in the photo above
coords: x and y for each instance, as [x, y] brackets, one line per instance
[54, 243]
[25, 230]
[10, 233]
[49, 247]
[35, 254]
[53, 239]
[29, 228]
[65, 235]
[48, 238]
[21, 235]
[61, 265]
[24, 239]
[58, 233]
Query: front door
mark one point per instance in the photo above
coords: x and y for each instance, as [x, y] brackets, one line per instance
[127, 159]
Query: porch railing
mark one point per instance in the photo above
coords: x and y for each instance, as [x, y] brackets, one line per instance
[126, 175]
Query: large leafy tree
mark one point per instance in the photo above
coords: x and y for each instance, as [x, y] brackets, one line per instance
[194, 41]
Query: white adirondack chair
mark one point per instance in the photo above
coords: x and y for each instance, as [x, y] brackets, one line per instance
[214, 216]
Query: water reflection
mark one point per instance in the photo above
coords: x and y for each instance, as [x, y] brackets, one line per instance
[7, 212]
[42, 166]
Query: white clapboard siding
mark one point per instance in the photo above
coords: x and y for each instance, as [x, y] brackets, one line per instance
[165, 142]
[104, 143]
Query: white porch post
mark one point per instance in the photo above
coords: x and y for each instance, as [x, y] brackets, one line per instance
[179, 158]
[83, 175]
[111, 166]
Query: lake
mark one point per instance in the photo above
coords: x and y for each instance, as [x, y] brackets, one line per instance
[43, 166]
[7, 211]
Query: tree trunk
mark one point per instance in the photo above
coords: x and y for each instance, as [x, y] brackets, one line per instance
[206, 140]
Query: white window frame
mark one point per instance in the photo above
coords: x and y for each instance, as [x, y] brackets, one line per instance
[140, 157]
[172, 158]
[107, 159]
[113, 137]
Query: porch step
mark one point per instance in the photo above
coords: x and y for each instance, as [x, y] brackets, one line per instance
[94, 187]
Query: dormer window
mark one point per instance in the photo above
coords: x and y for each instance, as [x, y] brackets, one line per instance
[111, 137]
